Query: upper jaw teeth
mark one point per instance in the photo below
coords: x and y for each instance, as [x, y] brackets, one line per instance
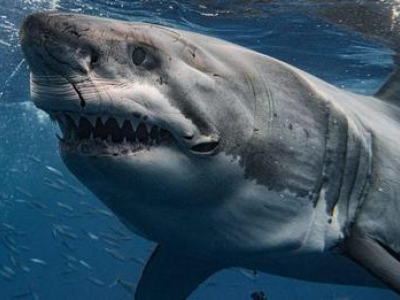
[120, 121]
[110, 130]
[75, 118]
[92, 119]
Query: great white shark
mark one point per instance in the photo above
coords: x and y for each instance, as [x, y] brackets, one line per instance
[221, 155]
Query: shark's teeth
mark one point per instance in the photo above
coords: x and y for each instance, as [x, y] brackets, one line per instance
[120, 121]
[61, 118]
[110, 134]
[148, 127]
[73, 135]
[135, 123]
[92, 119]
[75, 118]
[104, 119]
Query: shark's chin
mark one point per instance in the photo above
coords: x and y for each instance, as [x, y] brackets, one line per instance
[163, 175]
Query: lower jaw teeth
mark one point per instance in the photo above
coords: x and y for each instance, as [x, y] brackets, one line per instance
[99, 147]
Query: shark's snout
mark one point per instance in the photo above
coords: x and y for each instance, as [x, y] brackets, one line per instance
[33, 28]
[54, 43]
[33, 34]
[42, 28]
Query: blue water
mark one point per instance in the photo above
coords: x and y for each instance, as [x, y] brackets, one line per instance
[57, 240]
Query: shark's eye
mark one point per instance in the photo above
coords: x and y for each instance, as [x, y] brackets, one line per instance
[138, 56]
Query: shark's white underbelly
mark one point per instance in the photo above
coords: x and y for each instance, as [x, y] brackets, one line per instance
[251, 223]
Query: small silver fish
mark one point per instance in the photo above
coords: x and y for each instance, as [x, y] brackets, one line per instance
[8, 226]
[37, 204]
[104, 212]
[54, 171]
[24, 192]
[137, 260]
[251, 274]
[65, 206]
[38, 261]
[67, 272]
[54, 186]
[116, 254]
[23, 201]
[13, 260]
[34, 158]
[128, 286]
[91, 235]
[69, 257]
[24, 267]
[22, 295]
[76, 190]
[6, 275]
[95, 281]
[85, 264]
[8, 270]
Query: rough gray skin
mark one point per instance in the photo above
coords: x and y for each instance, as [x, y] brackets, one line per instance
[299, 164]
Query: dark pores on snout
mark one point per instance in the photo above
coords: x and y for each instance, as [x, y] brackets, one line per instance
[62, 43]
[82, 43]
[77, 45]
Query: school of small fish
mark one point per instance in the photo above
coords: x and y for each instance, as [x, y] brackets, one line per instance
[59, 217]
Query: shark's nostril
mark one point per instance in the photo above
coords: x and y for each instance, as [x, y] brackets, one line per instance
[75, 33]
[95, 57]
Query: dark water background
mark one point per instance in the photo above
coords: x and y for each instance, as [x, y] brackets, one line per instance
[57, 241]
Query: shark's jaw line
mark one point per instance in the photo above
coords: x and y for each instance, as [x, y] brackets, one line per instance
[113, 122]
[94, 132]
[89, 134]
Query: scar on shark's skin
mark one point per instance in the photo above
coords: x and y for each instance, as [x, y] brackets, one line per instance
[222, 156]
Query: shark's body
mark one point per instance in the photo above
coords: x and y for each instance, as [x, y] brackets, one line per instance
[223, 156]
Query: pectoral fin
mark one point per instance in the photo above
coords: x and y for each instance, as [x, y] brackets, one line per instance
[171, 276]
[378, 259]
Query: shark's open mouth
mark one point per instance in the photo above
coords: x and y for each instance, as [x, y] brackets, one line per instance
[108, 135]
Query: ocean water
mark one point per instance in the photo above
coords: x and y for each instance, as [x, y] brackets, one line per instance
[57, 241]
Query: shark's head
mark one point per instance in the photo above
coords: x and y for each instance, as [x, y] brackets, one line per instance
[145, 111]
